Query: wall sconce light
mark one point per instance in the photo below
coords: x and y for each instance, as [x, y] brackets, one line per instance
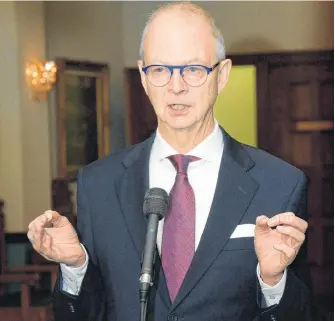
[41, 76]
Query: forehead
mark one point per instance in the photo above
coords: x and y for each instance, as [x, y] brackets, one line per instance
[176, 37]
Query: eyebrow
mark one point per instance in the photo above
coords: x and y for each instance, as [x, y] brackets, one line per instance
[187, 62]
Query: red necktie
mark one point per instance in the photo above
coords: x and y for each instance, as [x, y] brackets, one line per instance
[178, 244]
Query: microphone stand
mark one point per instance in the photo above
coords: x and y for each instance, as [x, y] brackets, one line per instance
[146, 282]
[143, 311]
[154, 208]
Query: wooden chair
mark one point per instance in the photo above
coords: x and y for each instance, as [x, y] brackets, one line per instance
[7, 312]
[28, 276]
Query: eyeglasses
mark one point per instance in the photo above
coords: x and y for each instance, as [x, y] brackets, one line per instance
[193, 75]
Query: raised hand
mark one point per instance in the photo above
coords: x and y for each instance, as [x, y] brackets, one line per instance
[277, 243]
[53, 236]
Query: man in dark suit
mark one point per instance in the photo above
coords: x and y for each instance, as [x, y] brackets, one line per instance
[231, 246]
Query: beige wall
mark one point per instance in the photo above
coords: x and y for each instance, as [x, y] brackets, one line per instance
[24, 129]
[10, 118]
[248, 26]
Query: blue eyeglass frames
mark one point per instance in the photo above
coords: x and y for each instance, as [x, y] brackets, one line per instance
[194, 75]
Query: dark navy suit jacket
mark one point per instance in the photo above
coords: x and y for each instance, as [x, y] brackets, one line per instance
[221, 283]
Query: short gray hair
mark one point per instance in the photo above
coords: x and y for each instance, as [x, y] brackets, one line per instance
[189, 8]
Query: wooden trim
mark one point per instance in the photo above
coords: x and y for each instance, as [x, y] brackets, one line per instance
[319, 125]
[263, 126]
[60, 117]
[99, 113]
[15, 238]
[280, 58]
[106, 127]
[84, 73]
[240, 60]
[129, 133]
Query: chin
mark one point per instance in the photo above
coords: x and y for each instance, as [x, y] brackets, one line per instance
[180, 124]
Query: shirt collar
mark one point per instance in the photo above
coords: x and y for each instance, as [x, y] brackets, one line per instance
[207, 150]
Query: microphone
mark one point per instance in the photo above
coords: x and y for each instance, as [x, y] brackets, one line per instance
[154, 208]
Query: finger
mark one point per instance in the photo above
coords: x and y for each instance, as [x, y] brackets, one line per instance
[46, 245]
[31, 238]
[30, 235]
[289, 252]
[45, 248]
[261, 223]
[58, 220]
[41, 220]
[288, 218]
[34, 235]
[39, 227]
[282, 218]
[48, 215]
[46, 256]
[294, 233]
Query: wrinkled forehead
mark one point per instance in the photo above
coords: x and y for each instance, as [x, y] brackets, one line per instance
[179, 38]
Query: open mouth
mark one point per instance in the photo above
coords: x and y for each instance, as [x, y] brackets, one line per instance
[178, 107]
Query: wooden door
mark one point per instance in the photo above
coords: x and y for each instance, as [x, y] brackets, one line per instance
[141, 119]
[300, 95]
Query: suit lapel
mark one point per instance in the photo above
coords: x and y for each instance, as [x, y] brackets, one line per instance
[131, 189]
[234, 191]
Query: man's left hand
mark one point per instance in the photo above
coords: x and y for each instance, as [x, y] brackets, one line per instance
[277, 243]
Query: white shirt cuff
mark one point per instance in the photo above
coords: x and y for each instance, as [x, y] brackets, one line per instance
[271, 294]
[73, 276]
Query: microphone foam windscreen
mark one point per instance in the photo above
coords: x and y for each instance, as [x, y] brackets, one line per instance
[155, 202]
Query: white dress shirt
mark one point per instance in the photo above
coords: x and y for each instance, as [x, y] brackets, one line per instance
[203, 176]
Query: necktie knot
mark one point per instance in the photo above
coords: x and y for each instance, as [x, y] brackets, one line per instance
[181, 162]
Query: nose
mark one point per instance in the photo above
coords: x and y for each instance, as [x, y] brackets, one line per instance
[176, 84]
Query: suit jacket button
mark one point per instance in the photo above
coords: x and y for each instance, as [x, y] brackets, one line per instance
[71, 307]
[272, 317]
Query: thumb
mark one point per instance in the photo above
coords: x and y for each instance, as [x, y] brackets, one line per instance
[261, 223]
[56, 219]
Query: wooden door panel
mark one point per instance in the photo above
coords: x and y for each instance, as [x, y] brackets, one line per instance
[301, 111]
[326, 98]
[299, 95]
[328, 197]
[141, 121]
[302, 149]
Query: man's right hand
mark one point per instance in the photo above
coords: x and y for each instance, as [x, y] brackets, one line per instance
[53, 236]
